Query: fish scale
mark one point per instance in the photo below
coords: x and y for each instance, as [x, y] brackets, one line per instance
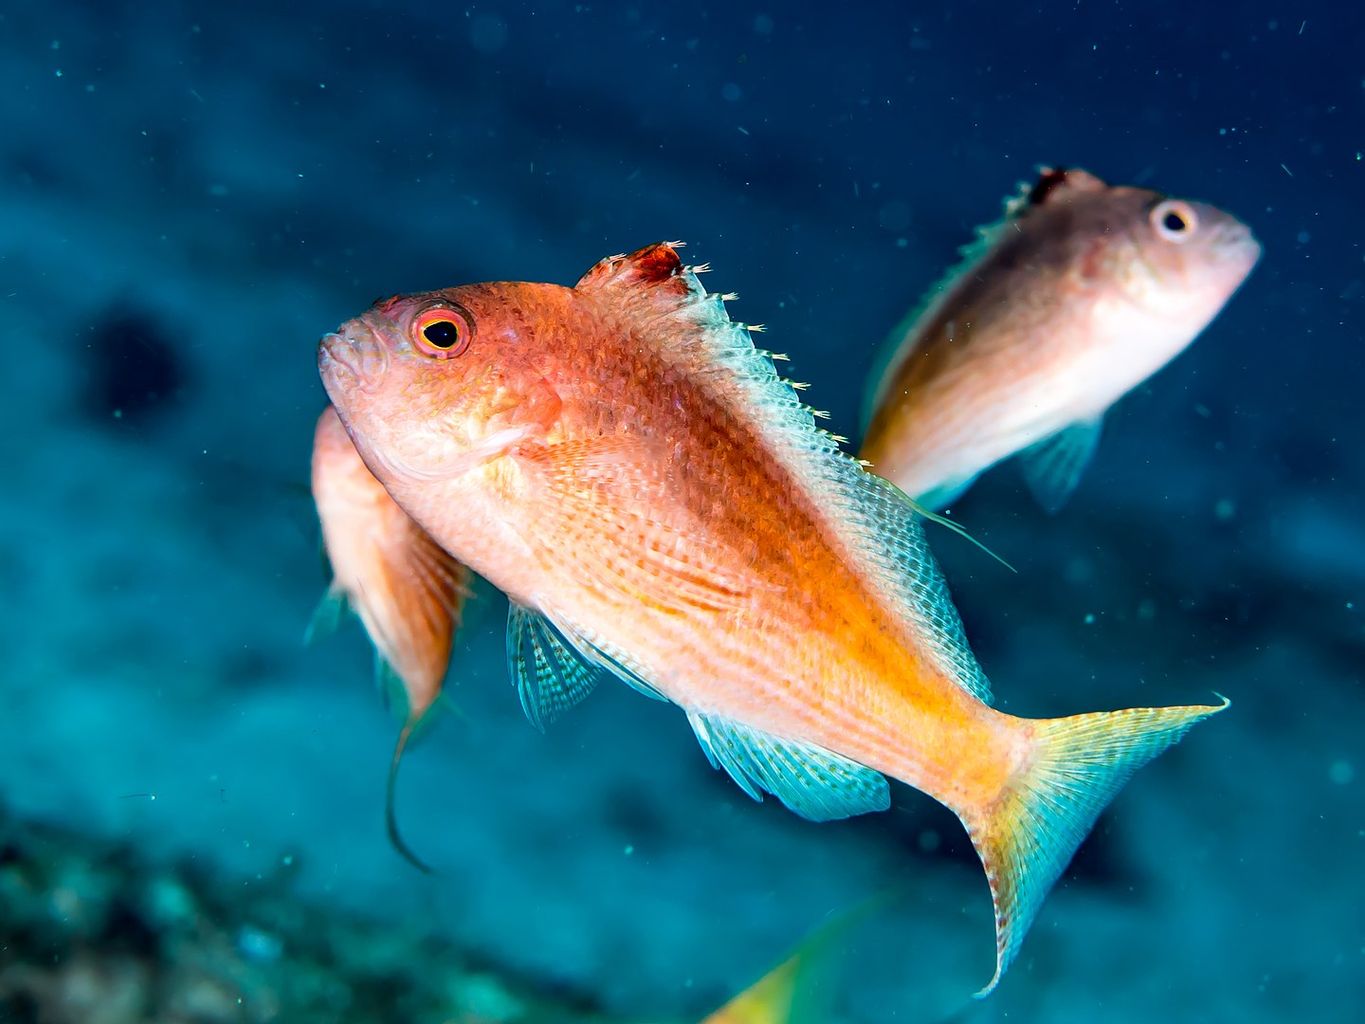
[683, 524]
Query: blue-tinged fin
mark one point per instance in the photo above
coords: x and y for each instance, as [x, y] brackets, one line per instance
[394, 694]
[550, 675]
[890, 543]
[945, 494]
[391, 688]
[1027, 835]
[326, 616]
[815, 783]
[600, 652]
[872, 519]
[1054, 465]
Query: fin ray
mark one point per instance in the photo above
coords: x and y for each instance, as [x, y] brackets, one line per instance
[598, 651]
[1052, 468]
[1028, 835]
[550, 675]
[816, 783]
[892, 544]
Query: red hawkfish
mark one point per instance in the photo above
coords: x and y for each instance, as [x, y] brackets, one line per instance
[1081, 293]
[659, 506]
[406, 589]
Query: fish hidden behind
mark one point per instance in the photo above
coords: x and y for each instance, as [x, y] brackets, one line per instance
[1082, 292]
[405, 588]
[659, 507]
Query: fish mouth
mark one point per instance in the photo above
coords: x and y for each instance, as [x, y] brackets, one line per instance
[1239, 246]
[351, 358]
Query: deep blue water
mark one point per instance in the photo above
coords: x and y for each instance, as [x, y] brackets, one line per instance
[191, 193]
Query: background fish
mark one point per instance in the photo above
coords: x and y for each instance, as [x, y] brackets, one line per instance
[796, 991]
[405, 588]
[659, 506]
[802, 988]
[1082, 292]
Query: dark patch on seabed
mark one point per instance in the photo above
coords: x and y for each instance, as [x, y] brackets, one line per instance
[193, 193]
[93, 932]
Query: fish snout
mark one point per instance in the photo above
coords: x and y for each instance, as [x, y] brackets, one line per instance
[1227, 241]
[352, 358]
[1238, 245]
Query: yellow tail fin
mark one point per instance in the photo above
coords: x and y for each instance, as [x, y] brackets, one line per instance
[1028, 834]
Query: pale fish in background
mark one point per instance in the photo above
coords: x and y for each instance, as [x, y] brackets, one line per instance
[1082, 292]
[660, 507]
[405, 588]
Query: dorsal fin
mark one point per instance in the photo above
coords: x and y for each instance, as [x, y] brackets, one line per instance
[868, 518]
[1053, 185]
[663, 296]
[655, 265]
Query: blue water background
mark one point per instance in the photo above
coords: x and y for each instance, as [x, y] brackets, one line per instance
[191, 193]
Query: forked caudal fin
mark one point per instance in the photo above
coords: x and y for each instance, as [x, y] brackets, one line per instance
[1028, 834]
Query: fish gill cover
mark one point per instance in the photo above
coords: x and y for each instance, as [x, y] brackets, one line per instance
[193, 193]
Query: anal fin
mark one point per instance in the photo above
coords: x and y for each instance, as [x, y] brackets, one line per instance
[1054, 465]
[815, 783]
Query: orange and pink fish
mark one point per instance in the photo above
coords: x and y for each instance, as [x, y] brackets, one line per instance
[660, 508]
[1079, 294]
[406, 589]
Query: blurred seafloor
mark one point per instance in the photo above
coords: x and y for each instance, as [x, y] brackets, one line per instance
[190, 194]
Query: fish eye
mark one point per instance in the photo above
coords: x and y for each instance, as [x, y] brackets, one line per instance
[441, 332]
[1173, 220]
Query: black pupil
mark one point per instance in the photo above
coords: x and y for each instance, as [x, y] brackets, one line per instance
[1173, 222]
[442, 333]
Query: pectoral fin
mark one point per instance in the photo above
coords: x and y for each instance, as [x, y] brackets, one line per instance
[550, 675]
[1054, 465]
